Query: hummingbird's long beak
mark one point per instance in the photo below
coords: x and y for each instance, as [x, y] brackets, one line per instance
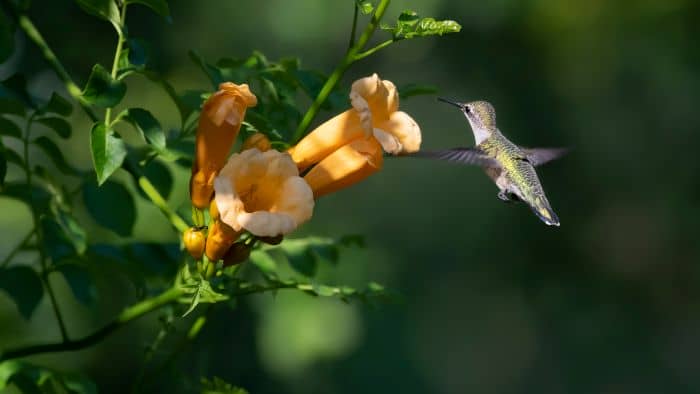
[456, 104]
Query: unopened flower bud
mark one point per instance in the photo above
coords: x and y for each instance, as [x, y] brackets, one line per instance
[257, 140]
[194, 241]
[213, 210]
[221, 237]
[236, 254]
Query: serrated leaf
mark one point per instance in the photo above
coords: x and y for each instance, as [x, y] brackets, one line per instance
[411, 25]
[111, 205]
[104, 9]
[58, 105]
[264, 262]
[160, 7]
[7, 37]
[219, 386]
[55, 154]
[365, 6]
[59, 125]
[102, 90]
[24, 286]
[9, 128]
[108, 151]
[11, 106]
[147, 125]
[80, 281]
[200, 291]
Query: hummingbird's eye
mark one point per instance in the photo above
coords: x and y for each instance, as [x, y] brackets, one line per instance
[467, 109]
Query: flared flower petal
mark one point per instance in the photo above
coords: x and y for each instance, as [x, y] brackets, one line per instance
[346, 166]
[261, 192]
[218, 127]
[374, 112]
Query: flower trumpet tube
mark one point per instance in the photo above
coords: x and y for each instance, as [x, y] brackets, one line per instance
[262, 193]
[346, 166]
[374, 112]
[219, 123]
[220, 238]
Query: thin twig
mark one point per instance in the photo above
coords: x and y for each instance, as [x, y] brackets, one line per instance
[17, 248]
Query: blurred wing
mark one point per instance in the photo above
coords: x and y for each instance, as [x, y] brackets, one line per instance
[473, 156]
[539, 156]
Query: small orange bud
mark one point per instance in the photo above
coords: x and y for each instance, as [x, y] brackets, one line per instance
[213, 211]
[221, 237]
[194, 241]
[257, 140]
[237, 253]
[276, 240]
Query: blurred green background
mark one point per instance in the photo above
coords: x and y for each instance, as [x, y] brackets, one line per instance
[493, 301]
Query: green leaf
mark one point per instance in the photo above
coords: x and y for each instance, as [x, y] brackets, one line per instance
[410, 25]
[159, 174]
[13, 157]
[56, 242]
[160, 7]
[365, 6]
[80, 281]
[55, 154]
[24, 286]
[108, 151]
[11, 106]
[212, 72]
[102, 90]
[104, 9]
[138, 52]
[219, 386]
[199, 290]
[111, 205]
[7, 37]
[33, 195]
[300, 257]
[15, 87]
[413, 89]
[145, 123]
[72, 230]
[58, 105]
[9, 128]
[59, 125]
[264, 262]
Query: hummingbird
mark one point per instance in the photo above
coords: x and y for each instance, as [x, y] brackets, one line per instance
[510, 166]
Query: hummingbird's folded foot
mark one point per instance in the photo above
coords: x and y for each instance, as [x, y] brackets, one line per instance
[507, 197]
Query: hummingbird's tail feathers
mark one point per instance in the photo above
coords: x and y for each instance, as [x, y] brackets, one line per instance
[472, 156]
[539, 156]
[546, 214]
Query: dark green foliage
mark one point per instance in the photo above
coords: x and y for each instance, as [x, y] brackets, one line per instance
[146, 124]
[104, 9]
[9, 128]
[7, 37]
[59, 125]
[111, 205]
[30, 379]
[219, 386]
[158, 6]
[108, 151]
[54, 153]
[58, 105]
[102, 90]
[24, 286]
[9, 105]
[80, 281]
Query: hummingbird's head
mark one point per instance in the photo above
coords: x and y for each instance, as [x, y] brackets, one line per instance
[481, 117]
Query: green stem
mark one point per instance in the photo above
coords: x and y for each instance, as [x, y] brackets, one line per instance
[368, 52]
[33, 34]
[354, 26]
[160, 202]
[350, 57]
[40, 235]
[17, 248]
[129, 314]
[117, 55]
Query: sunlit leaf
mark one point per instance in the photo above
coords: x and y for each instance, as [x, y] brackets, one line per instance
[59, 125]
[108, 151]
[24, 286]
[365, 6]
[411, 25]
[80, 281]
[55, 154]
[73, 231]
[104, 9]
[102, 90]
[160, 7]
[147, 125]
[10, 128]
[111, 205]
